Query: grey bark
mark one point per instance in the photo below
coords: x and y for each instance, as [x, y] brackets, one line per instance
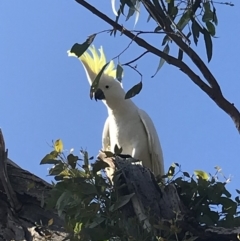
[23, 215]
[164, 204]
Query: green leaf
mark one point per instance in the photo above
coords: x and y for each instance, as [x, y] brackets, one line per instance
[170, 6]
[211, 28]
[138, 4]
[58, 146]
[119, 73]
[208, 44]
[134, 90]
[130, 3]
[72, 160]
[149, 17]
[50, 158]
[184, 20]
[174, 12]
[57, 169]
[117, 150]
[122, 201]
[79, 49]
[237, 200]
[208, 14]
[207, 6]
[98, 165]
[195, 31]
[162, 60]
[238, 191]
[201, 174]
[186, 174]
[131, 11]
[64, 200]
[180, 54]
[165, 40]
[157, 29]
[215, 20]
[87, 188]
[96, 222]
[95, 83]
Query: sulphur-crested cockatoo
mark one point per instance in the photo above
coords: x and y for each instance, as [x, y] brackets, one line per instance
[126, 126]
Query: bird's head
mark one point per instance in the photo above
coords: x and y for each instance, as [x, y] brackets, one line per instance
[109, 88]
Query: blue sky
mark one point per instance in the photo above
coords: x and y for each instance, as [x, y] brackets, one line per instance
[44, 94]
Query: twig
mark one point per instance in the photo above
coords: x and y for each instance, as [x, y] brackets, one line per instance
[134, 68]
[134, 60]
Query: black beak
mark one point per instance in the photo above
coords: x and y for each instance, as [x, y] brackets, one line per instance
[99, 95]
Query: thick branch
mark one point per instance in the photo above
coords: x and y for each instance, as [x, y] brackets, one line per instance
[216, 96]
[12, 197]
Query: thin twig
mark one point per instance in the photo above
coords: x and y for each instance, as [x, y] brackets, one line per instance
[134, 60]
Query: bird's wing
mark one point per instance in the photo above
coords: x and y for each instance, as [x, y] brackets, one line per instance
[153, 144]
[105, 136]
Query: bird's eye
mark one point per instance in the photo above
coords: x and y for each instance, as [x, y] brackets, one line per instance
[106, 86]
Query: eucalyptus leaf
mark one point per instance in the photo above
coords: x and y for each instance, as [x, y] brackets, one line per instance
[79, 49]
[184, 20]
[208, 14]
[96, 222]
[50, 158]
[208, 44]
[195, 31]
[134, 90]
[211, 28]
[119, 72]
[122, 201]
[56, 169]
[138, 4]
[162, 60]
[215, 19]
[165, 40]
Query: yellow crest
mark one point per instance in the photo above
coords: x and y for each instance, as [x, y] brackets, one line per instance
[95, 61]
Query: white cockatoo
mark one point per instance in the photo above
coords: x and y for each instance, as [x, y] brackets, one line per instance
[126, 126]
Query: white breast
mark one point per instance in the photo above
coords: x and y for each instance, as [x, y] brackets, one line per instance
[128, 132]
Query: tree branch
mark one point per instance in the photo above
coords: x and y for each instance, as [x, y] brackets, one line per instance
[214, 93]
[12, 197]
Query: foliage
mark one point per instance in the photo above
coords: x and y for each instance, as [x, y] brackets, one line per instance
[91, 206]
[206, 197]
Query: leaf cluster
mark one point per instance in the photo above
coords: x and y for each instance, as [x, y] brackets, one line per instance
[83, 195]
[206, 197]
[188, 20]
[92, 206]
